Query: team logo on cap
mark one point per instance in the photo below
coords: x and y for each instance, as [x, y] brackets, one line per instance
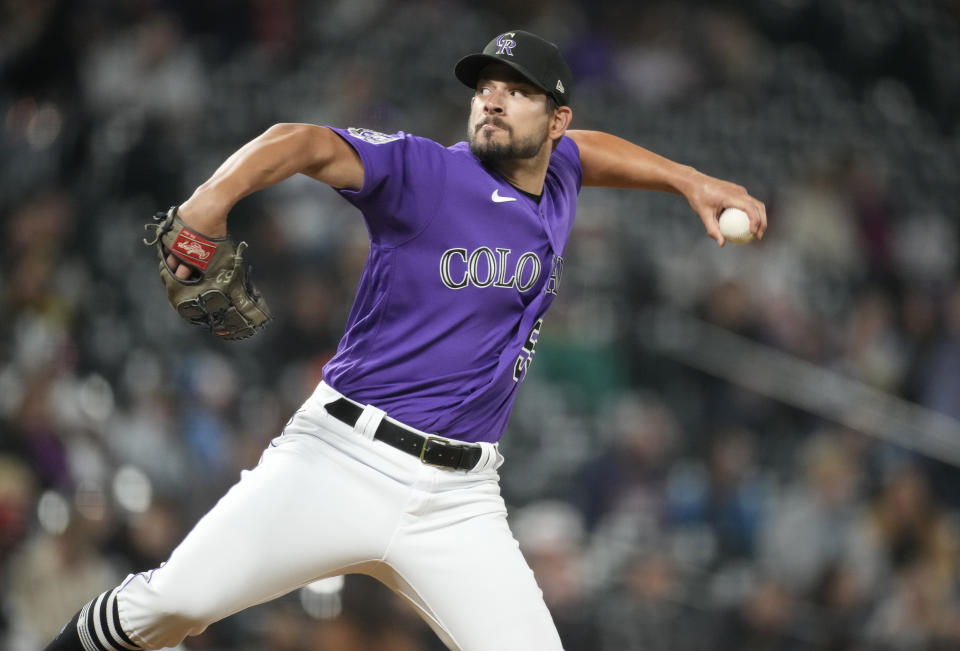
[560, 86]
[506, 43]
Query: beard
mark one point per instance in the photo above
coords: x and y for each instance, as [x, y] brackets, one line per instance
[490, 151]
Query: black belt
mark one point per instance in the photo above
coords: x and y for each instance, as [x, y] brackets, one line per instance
[431, 450]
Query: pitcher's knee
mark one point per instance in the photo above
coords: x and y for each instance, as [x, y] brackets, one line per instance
[183, 617]
[162, 618]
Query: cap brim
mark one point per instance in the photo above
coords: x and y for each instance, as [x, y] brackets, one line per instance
[468, 69]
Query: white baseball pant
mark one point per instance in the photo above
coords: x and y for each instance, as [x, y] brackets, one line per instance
[327, 499]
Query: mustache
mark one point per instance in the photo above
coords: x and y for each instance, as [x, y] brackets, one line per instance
[495, 121]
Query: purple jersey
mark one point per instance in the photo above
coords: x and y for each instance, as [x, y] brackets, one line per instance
[462, 268]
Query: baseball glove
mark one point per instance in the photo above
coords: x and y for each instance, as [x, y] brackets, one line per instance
[218, 295]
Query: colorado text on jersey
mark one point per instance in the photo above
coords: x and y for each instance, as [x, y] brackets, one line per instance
[482, 268]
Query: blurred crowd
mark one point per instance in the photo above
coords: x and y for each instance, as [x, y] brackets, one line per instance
[660, 507]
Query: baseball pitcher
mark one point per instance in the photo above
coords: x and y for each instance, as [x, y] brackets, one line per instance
[391, 465]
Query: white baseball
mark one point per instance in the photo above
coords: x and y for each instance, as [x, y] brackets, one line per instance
[735, 226]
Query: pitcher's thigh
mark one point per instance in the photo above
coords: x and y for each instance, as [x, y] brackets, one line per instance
[474, 587]
[287, 522]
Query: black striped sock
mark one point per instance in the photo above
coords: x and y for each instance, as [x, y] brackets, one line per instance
[67, 639]
[98, 626]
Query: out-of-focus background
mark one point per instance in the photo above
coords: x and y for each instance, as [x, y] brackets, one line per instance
[753, 447]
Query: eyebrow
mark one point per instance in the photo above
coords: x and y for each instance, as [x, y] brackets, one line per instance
[514, 79]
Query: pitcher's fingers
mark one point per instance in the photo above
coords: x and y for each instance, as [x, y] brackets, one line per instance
[763, 220]
[758, 218]
[713, 228]
[180, 270]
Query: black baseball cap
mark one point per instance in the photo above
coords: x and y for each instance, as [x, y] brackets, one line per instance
[538, 60]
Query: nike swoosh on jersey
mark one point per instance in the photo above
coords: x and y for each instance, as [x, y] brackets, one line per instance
[498, 199]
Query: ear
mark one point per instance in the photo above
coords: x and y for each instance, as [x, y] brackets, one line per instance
[560, 121]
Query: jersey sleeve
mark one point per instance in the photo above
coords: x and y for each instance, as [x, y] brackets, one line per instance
[566, 162]
[403, 182]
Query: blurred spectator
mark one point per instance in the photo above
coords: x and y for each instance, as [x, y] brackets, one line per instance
[151, 536]
[842, 602]
[875, 350]
[767, 619]
[939, 379]
[17, 495]
[628, 481]
[810, 522]
[35, 432]
[648, 610]
[38, 232]
[50, 578]
[725, 495]
[910, 615]
[815, 217]
[867, 180]
[907, 538]
[150, 70]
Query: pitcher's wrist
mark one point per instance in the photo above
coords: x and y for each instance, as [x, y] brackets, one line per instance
[205, 213]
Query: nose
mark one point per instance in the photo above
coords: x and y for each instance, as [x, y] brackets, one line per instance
[493, 102]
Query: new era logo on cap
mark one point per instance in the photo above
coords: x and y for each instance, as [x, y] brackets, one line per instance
[538, 60]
